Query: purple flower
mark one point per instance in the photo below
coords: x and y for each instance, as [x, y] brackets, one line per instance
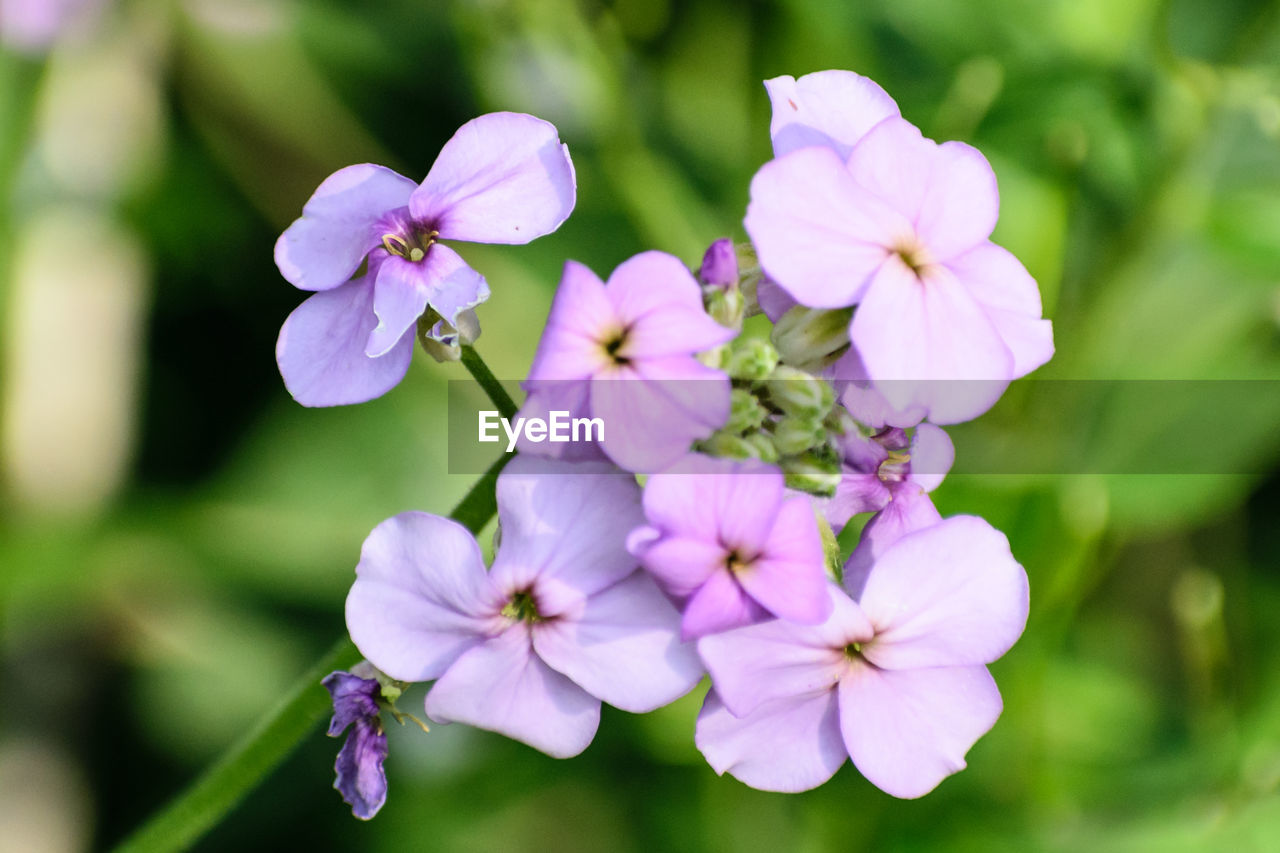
[878, 467]
[502, 178]
[623, 352]
[565, 618]
[719, 264]
[725, 541]
[361, 779]
[896, 680]
[900, 228]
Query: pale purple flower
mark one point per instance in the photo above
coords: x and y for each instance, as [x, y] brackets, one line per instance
[882, 218]
[361, 779]
[502, 178]
[725, 541]
[877, 467]
[623, 352]
[565, 619]
[828, 108]
[896, 680]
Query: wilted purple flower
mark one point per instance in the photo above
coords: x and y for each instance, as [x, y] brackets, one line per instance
[725, 541]
[877, 467]
[899, 225]
[896, 680]
[502, 178]
[623, 352]
[565, 618]
[361, 779]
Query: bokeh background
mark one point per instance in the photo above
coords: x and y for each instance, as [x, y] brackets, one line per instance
[177, 535]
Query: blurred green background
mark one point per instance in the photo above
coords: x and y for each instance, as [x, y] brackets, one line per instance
[177, 536]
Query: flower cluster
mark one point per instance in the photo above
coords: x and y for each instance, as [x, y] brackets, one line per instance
[891, 312]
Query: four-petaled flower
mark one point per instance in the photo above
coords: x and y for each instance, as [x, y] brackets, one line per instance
[882, 218]
[623, 352]
[565, 618]
[725, 541]
[896, 679]
[502, 178]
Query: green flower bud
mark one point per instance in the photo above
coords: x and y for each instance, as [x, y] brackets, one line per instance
[726, 306]
[799, 393]
[830, 547]
[745, 412]
[763, 446]
[717, 358]
[444, 342]
[752, 359]
[729, 446]
[812, 338]
[794, 434]
[812, 473]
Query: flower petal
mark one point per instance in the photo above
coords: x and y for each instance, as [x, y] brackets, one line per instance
[659, 303]
[908, 730]
[321, 346]
[502, 178]
[502, 686]
[624, 648]
[718, 605]
[566, 521]
[909, 509]
[932, 455]
[1011, 299]
[681, 564]
[326, 245]
[353, 699]
[790, 745]
[949, 595]
[405, 288]
[818, 234]
[360, 777]
[581, 321]
[961, 203]
[421, 596]
[773, 660]
[926, 342]
[789, 579]
[830, 108]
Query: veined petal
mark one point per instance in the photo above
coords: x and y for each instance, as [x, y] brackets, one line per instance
[502, 686]
[624, 648]
[925, 342]
[502, 178]
[321, 346]
[421, 596]
[829, 108]
[788, 745]
[360, 777]
[565, 520]
[818, 234]
[908, 730]
[949, 595]
[326, 245]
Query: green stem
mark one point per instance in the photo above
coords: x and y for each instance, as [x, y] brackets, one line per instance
[239, 771]
[480, 371]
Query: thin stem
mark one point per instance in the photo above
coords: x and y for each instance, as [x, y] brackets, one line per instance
[480, 371]
[248, 762]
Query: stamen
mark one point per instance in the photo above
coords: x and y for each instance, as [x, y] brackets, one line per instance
[400, 248]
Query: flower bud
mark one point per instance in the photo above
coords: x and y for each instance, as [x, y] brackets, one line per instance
[794, 434]
[799, 393]
[763, 445]
[813, 474]
[745, 412]
[442, 341]
[724, 306]
[719, 265]
[752, 359]
[812, 338]
[730, 446]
